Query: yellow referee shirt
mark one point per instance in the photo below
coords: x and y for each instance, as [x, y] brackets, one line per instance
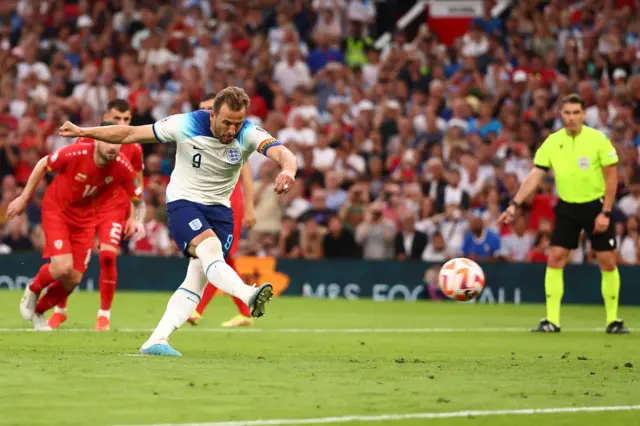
[577, 163]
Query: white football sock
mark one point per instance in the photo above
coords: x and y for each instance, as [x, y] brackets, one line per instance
[219, 273]
[58, 310]
[181, 304]
[103, 313]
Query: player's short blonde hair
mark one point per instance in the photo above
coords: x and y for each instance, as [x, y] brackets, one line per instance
[233, 97]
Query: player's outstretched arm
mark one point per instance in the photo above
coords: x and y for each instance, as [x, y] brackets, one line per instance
[18, 205]
[529, 184]
[289, 165]
[119, 134]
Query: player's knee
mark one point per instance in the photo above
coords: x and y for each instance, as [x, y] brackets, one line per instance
[76, 278]
[210, 249]
[62, 270]
[557, 257]
[107, 259]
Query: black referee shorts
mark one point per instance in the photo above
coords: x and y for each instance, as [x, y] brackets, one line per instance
[572, 218]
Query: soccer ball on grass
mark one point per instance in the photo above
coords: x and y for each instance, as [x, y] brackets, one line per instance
[461, 279]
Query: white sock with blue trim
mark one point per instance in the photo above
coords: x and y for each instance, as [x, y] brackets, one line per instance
[181, 304]
[219, 273]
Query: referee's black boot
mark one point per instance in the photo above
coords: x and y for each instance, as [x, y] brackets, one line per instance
[617, 327]
[546, 327]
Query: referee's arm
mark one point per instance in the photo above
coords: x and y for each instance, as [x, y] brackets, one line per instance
[529, 184]
[609, 161]
[611, 186]
[542, 163]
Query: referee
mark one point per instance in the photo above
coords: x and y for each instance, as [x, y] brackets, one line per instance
[585, 167]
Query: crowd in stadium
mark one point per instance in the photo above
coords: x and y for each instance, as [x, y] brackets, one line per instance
[408, 151]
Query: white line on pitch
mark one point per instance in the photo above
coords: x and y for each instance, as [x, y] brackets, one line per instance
[395, 417]
[315, 330]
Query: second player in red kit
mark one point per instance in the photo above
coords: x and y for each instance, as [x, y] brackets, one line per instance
[115, 221]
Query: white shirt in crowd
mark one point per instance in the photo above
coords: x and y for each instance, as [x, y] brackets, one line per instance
[515, 247]
[629, 205]
[628, 248]
[323, 158]
[289, 77]
[474, 48]
[305, 136]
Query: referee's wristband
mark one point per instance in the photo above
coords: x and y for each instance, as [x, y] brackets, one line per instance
[513, 203]
[606, 213]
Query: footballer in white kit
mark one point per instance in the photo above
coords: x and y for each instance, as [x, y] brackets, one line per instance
[212, 146]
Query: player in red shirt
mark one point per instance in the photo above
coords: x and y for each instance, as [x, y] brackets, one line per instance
[89, 177]
[243, 215]
[115, 217]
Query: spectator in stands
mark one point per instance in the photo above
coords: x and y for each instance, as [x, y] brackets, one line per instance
[291, 72]
[16, 235]
[454, 194]
[516, 246]
[311, 239]
[268, 209]
[409, 242]
[339, 242]
[436, 250]
[352, 212]
[336, 196]
[540, 251]
[480, 244]
[630, 203]
[289, 239]
[156, 241]
[319, 210]
[375, 234]
[629, 244]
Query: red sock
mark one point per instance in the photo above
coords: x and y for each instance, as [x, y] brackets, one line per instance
[55, 293]
[108, 278]
[207, 295]
[244, 309]
[63, 303]
[42, 279]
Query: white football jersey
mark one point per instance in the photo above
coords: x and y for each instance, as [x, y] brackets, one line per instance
[206, 171]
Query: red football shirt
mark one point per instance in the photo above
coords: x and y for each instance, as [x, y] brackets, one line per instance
[133, 152]
[81, 189]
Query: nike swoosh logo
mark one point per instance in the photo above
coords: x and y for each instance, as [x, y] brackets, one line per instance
[199, 149]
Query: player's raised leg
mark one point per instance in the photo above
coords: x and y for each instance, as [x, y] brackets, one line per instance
[209, 249]
[192, 226]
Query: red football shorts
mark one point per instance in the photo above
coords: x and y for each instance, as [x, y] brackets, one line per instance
[111, 226]
[237, 207]
[63, 238]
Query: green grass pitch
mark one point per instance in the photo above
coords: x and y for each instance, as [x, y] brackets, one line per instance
[319, 359]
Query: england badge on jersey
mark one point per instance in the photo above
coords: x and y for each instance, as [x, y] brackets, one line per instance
[234, 156]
